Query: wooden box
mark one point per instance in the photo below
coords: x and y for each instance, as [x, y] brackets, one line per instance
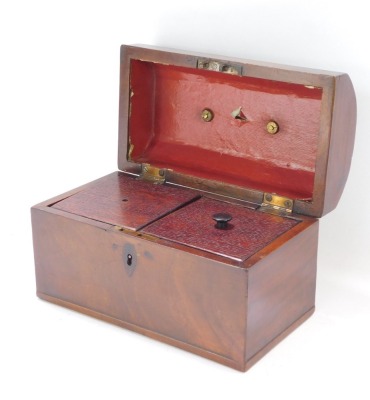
[203, 139]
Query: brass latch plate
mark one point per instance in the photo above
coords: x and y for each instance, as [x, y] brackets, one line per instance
[219, 66]
[153, 174]
[276, 204]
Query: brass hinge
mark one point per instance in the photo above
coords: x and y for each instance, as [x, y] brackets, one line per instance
[152, 174]
[275, 204]
[212, 65]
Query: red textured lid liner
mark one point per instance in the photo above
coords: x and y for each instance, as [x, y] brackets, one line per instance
[166, 128]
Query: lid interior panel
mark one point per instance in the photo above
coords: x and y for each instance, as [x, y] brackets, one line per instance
[166, 128]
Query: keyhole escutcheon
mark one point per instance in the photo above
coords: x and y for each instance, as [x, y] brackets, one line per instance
[129, 259]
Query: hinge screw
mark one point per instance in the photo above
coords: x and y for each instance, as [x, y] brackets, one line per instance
[268, 197]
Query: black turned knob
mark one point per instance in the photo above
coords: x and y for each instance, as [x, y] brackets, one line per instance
[222, 220]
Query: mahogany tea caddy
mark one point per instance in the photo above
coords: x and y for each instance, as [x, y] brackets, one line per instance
[206, 238]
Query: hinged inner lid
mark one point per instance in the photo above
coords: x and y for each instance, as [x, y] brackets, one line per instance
[122, 200]
[248, 232]
[221, 126]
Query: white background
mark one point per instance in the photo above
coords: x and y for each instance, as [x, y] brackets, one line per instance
[59, 74]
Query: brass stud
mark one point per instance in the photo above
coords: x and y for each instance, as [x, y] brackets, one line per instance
[272, 127]
[207, 115]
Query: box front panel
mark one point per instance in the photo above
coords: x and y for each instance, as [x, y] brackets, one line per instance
[196, 302]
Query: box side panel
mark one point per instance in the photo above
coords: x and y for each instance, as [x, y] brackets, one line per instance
[281, 291]
[189, 301]
[341, 141]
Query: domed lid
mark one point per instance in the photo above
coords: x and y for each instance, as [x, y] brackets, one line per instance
[265, 133]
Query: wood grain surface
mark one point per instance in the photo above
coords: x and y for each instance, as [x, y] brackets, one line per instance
[166, 293]
[281, 289]
[180, 295]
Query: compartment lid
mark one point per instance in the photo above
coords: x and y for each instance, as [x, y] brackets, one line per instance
[247, 233]
[122, 200]
[255, 131]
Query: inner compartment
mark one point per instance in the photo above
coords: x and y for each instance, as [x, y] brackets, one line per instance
[176, 214]
[166, 128]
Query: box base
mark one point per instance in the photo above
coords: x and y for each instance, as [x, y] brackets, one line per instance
[181, 345]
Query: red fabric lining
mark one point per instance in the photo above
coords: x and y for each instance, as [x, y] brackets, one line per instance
[166, 128]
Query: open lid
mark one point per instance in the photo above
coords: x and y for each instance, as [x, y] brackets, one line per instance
[238, 128]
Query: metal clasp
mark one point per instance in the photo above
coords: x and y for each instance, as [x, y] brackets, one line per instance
[219, 66]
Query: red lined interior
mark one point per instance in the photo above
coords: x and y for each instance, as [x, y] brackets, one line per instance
[166, 128]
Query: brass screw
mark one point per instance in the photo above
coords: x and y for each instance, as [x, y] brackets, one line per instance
[272, 127]
[207, 115]
[287, 203]
[268, 197]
